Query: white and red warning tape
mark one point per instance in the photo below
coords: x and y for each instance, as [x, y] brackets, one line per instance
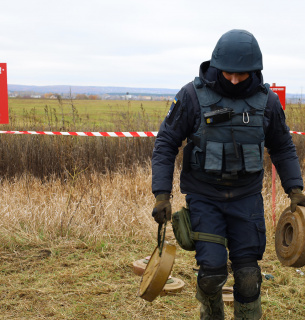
[297, 132]
[101, 134]
[88, 134]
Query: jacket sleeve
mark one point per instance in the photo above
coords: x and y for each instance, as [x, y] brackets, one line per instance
[176, 126]
[279, 144]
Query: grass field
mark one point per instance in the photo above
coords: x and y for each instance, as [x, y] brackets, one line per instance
[68, 239]
[87, 114]
[98, 115]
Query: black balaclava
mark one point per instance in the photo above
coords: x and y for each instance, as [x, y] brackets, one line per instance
[218, 83]
[234, 90]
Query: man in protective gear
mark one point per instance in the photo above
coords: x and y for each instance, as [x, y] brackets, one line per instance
[228, 116]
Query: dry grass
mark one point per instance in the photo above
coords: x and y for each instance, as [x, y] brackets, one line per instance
[47, 157]
[67, 251]
[85, 206]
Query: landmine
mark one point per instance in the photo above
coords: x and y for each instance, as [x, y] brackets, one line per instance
[227, 295]
[157, 272]
[140, 265]
[290, 238]
[175, 285]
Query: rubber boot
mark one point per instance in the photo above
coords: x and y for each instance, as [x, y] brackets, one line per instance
[245, 311]
[211, 305]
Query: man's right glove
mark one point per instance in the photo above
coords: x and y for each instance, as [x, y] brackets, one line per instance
[297, 199]
[162, 211]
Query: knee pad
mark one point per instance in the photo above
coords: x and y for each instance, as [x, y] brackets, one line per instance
[248, 281]
[210, 280]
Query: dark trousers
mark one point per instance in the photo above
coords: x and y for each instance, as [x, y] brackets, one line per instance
[240, 221]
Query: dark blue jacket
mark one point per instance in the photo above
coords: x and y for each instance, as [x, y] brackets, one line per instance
[184, 118]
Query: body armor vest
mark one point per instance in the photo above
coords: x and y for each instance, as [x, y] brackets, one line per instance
[229, 143]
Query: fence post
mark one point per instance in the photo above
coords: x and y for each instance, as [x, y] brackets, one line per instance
[273, 188]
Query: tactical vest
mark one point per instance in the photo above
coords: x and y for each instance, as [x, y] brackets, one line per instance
[229, 143]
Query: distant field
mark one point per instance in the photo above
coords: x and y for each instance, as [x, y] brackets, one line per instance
[105, 114]
[86, 114]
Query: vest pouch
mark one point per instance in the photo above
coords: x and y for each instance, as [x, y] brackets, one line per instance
[181, 224]
[213, 156]
[233, 157]
[196, 158]
[253, 157]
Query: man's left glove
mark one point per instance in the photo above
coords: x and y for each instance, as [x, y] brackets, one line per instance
[297, 199]
[162, 211]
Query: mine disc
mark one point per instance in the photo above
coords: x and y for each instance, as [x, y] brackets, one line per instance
[139, 266]
[157, 272]
[172, 287]
[290, 238]
[227, 295]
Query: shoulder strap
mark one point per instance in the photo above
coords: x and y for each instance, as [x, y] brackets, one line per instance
[259, 100]
[205, 95]
[201, 236]
[192, 94]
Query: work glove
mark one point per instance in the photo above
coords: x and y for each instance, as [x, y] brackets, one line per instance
[162, 211]
[297, 198]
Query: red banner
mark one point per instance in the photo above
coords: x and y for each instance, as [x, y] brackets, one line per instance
[281, 92]
[3, 95]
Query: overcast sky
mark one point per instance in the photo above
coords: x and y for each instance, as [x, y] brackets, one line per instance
[144, 43]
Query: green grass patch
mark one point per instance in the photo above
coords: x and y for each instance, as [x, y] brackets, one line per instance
[100, 115]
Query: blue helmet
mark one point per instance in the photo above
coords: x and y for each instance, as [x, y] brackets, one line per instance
[237, 51]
